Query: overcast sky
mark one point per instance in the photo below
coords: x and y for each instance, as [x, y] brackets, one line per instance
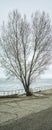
[25, 7]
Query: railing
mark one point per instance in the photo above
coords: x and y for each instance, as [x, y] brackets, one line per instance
[12, 92]
[18, 91]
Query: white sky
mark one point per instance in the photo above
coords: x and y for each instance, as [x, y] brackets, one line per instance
[25, 7]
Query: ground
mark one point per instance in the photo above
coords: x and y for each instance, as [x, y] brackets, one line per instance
[27, 113]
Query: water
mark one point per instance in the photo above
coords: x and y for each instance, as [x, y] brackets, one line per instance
[8, 87]
[14, 86]
[42, 84]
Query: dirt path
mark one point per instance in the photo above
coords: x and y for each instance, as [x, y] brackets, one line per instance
[36, 121]
[16, 108]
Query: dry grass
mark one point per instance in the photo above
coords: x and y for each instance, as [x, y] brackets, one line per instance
[47, 92]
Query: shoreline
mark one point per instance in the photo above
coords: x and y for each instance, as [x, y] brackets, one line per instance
[46, 91]
[20, 91]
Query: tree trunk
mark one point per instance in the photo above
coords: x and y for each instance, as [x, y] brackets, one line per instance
[28, 92]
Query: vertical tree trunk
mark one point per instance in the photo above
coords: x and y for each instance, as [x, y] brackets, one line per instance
[28, 92]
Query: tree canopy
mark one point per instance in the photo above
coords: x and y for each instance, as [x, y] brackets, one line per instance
[26, 46]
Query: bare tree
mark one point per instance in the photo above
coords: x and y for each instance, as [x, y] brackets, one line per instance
[26, 47]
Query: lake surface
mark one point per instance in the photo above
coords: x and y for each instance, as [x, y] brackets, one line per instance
[15, 86]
